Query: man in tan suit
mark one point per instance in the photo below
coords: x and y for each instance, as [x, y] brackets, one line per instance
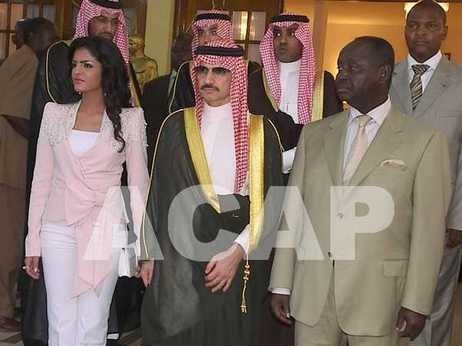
[17, 75]
[429, 87]
[381, 294]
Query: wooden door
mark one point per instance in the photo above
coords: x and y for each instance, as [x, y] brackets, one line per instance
[135, 14]
[250, 18]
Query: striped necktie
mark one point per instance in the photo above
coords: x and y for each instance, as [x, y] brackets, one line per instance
[358, 148]
[416, 83]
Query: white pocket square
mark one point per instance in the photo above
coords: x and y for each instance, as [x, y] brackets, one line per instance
[394, 163]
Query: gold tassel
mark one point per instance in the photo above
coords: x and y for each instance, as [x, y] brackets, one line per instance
[246, 278]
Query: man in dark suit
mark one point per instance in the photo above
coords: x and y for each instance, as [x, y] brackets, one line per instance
[157, 93]
[429, 87]
[287, 89]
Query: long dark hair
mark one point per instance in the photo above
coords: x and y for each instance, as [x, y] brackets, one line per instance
[114, 78]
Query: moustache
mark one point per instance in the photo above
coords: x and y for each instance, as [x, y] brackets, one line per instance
[209, 86]
[106, 35]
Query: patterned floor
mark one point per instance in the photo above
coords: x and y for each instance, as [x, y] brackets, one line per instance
[134, 338]
[130, 339]
[10, 339]
[457, 327]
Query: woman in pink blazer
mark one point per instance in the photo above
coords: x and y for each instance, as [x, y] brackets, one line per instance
[77, 219]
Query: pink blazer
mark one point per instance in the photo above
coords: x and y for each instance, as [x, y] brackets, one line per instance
[81, 191]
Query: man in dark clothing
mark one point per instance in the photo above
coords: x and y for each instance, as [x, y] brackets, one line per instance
[287, 88]
[18, 37]
[157, 93]
[206, 27]
[221, 153]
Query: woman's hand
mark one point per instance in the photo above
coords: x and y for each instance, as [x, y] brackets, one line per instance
[31, 266]
[145, 272]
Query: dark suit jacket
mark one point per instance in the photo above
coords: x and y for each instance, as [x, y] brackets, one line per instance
[155, 102]
[262, 103]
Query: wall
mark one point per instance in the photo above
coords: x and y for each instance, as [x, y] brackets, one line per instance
[452, 43]
[159, 31]
[347, 20]
[305, 7]
[338, 35]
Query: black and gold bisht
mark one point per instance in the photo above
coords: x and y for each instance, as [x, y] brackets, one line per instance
[178, 310]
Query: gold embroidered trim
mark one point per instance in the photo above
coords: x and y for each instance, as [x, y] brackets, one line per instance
[256, 181]
[256, 192]
[318, 98]
[196, 148]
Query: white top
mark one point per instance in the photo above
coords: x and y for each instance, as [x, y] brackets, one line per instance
[82, 141]
[288, 157]
[289, 78]
[432, 62]
[217, 130]
[378, 116]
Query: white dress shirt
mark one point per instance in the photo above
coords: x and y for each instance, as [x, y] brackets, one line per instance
[217, 130]
[432, 62]
[378, 116]
[289, 78]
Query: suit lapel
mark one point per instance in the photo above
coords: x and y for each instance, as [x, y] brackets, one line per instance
[438, 83]
[401, 85]
[334, 142]
[384, 143]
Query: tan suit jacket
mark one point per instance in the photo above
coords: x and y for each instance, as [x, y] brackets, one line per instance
[17, 76]
[441, 108]
[396, 267]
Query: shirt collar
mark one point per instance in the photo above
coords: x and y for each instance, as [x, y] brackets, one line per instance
[216, 113]
[432, 62]
[378, 114]
[288, 67]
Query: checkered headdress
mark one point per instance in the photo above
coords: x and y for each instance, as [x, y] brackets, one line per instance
[94, 8]
[307, 66]
[206, 19]
[225, 53]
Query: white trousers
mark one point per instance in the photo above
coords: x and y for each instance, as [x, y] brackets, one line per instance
[73, 320]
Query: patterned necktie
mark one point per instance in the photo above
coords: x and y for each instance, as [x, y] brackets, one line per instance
[358, 148]
[416, 83]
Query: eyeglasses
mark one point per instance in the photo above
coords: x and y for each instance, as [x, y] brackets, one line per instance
[216, 71]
